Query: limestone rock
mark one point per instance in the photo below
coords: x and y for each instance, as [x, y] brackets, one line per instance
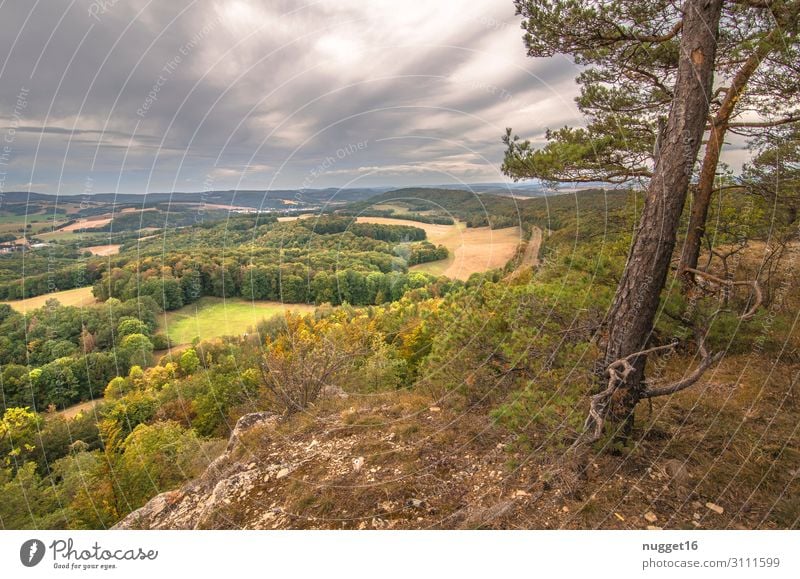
[194, 504]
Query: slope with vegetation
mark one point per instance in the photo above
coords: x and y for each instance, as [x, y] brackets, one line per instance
[453, 411]
[513, 399]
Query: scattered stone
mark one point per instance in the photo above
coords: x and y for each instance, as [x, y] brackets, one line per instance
[378, 523]
[677, 471]
[358, 463]
[435, 409]
[247, 422]
[565, 509]
[282, 473]
[715, 507]
[653, 528]
[521, 493]
[416, 503]
[332, 391]
[478, 517]
[746, 508]
[696, 516]
[650, 517]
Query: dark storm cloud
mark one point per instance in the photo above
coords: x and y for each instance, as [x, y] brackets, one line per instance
[151, 96]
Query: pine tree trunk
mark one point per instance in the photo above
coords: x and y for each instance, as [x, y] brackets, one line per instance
[630, 320]
[719, 126]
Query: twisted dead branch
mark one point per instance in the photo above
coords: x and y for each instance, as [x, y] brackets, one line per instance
[756, 289]
[618, 373]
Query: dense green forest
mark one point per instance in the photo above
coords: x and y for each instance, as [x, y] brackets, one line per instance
[326, 260]
[56, 268]
[58, 355]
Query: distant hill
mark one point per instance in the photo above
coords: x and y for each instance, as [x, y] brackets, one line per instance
[479, 209]
[256, 199]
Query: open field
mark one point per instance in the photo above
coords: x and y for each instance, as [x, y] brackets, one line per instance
[294, 217]
[213, 317]
[472, 250]
[38, 222]
[103, 249]
[81, 296]
[61, 235]
[87, 224]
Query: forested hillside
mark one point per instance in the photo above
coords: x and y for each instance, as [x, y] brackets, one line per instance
[500, 361]
[634, 365]
[325, 260]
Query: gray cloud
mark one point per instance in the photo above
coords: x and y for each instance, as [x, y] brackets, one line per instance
[151, 96]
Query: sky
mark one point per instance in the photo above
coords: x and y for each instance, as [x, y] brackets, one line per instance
[138, 96]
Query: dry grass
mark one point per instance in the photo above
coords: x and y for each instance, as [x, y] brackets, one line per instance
[103, 250]
[472, 250]
[87, 224]
[80, 297]
[296, 217]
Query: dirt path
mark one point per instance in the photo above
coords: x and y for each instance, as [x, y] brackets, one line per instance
[74, 410]
[531, 256]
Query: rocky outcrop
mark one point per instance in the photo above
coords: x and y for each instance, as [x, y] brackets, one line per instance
[372, 466]
[193, 505]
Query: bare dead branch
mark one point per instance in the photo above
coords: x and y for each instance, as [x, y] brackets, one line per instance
[792, 118]
[756, 289]
[754, 3]
[705, 363]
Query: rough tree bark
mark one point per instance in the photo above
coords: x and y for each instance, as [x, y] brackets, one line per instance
[719, 126]
[630, 320]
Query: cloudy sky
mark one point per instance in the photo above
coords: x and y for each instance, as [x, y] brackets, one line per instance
[145, 96]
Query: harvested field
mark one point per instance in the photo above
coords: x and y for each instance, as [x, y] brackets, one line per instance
[81, 296]
[472, 250]
[103, 249]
